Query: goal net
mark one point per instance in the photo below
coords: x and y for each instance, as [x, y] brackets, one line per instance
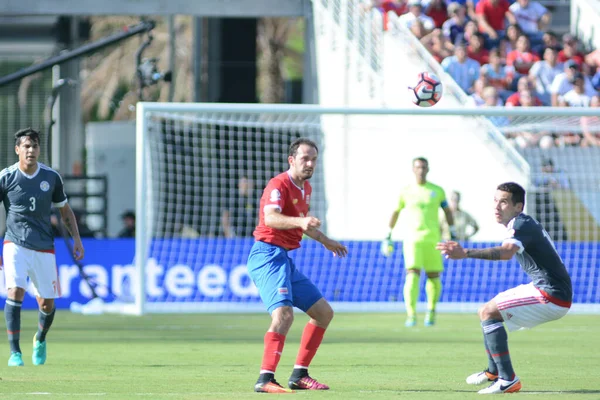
[201, 169]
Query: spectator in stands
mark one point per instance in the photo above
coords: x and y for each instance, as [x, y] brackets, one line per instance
[549, 39]
[485, 95]
[595, 81]
[437, 11]
[498, 75]
[462, 69]
[128, 230]
[475, 49]
[521, 58]
[543, 73]
[471, 28]
[564, 82]
[570, 50]
[532, 17]
[509, 42]
[514, 100]
[238, 219]
[477, 94]
[590, 127]
[592, 61]
[528, 138]
[491, 15]
[546, 212]
[454, 27]
[438, 45]
[577, 96]
[417, 22]
[491, 97]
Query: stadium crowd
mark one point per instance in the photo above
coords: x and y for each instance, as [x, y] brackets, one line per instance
[501, 53]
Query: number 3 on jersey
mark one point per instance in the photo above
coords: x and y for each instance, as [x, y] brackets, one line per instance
[32, 206]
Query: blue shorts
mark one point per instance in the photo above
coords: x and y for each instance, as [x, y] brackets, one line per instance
[277, 279]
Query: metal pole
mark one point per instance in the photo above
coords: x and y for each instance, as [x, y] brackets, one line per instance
[172, 56]
[145, 26]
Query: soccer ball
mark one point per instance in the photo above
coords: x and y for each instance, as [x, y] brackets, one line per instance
[428, 90]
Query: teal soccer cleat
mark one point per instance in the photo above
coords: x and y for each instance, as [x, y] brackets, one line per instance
[15, 360]
[430, 318]
[39, 352]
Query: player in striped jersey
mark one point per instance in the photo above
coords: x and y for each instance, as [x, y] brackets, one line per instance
[28, 190]
[548, 297]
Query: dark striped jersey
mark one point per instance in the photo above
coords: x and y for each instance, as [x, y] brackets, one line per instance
[539, 259]
[28, 200]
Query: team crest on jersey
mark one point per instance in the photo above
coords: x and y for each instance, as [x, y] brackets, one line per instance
[45, 186]
[275, 195]
[295, 201]
[432, 194]
[307, 199]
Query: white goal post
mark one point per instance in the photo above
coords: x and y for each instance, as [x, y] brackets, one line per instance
[192, 159]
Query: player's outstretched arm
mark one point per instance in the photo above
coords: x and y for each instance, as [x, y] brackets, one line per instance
[275, 219]
[454, 251]
[337, 248]
[70, 222]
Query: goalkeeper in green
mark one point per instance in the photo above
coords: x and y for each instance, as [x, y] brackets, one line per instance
[419, 204]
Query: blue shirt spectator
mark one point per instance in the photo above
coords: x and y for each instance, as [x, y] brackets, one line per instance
[596, 81]
[462, 69]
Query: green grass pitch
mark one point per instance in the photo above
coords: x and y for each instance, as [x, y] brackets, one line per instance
[363, 356]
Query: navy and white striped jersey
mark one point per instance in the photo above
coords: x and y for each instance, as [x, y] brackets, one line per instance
[28, 200]
[538, 257]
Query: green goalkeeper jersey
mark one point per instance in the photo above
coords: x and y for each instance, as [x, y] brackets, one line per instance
[419, 205]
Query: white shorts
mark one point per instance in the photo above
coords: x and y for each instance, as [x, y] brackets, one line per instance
[40, 267]
[524, 307]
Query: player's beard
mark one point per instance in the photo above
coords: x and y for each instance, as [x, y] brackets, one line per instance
[307, 174]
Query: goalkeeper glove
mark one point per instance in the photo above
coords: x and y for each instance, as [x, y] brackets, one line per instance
[387, 246]
[452, 232]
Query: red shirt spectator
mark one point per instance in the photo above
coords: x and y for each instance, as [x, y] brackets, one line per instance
[476, 51]
[522, 58]
[578, 57]
[515, 100]
[570, 50]
[494, 12]
[438, 12]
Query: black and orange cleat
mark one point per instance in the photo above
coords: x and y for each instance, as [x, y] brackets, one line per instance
[307, 383]
[271, 386]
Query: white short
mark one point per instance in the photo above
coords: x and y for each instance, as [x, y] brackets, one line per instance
[524, 307]
[40, 267]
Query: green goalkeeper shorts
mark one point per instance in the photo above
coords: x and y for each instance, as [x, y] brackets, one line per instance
[422, 255]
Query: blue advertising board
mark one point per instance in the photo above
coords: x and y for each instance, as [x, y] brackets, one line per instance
[214, 270]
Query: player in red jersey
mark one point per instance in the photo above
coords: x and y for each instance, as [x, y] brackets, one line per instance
[283, 219]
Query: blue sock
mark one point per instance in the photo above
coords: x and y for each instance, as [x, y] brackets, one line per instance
[44, 324]
[497, 344]
[12, 315]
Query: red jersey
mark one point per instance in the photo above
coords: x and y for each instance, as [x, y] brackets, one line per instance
[578, 58]
[522, 62]
[494, 14]
[293, 201]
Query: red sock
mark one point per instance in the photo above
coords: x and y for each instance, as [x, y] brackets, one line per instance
[311, 340]
[273, 347]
